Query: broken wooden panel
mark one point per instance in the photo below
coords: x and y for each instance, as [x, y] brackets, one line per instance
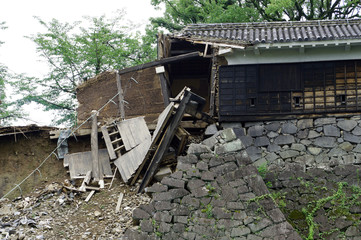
[108, 140]
[129, 162]
[80, 163]
[133, 132]
[160, 128]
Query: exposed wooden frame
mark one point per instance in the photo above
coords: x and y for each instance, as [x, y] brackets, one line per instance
[161, 62]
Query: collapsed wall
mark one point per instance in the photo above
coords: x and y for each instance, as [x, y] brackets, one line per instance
[212, 196]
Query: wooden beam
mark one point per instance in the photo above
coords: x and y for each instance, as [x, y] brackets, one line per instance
[120, 97]
[161, 62]
[89, 196]
[119, 203]
[94, 148]
[165, 141]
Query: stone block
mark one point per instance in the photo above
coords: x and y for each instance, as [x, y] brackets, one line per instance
[162, 217]
[178, 228]
[208, 176]
[289, 154]
[357, 149]
[216, 161]
[347, 125]
[183, 166]
[172, 182]
[351, 138]
[240, 231]
[331, 131]
[198, 149]
[273, 148]
[254, 153]
[284, 139]
[195, 183]
[324, 121]
[335, 152]
[162, 173]
[271, 157]
[258, 226]
[239, 131]
[276, 215]
[313, 134]
[274, 126]
[246, 140]
[163, 205]
[210, 142]
[261, 141]
[170, 195]
[229, 194]
[235, 205]
[201, 165]
[164, 227]
[256, 131]
[177, 175]
[180, 210]
[228, 147]
[272, 134]
[228, 135]
[356, 131]
[225, 168]
[325, 142]
[298, 147]
[146, 226]
[149, 208]
[302, 134]
[156, 187]
[260, 162]
[289, 128]
[348, 159]
[191, 201]
[211, 129]
[346, 146]
[304, 123]
[140, 214]
[180, 219]
[219, 213]
[200, 192]
[314, 150]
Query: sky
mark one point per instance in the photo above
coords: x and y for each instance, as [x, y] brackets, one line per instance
[19, 53]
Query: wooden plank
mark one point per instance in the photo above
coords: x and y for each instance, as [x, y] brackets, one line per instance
[108, 143]
[80, 163]
[96, 172]
[89, 196]
[133, 132]
[165, 89]
[161, 125]
[119, 203]
[161, 62]
[165, 142]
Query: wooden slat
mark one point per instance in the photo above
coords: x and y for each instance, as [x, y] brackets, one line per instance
[135, 131]
[108, 143]
[80, 163]
[161, 124]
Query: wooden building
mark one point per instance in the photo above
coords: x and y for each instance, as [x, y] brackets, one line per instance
[256, 71]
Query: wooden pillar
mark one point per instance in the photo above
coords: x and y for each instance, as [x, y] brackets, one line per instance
[120, 97]
[96, 168]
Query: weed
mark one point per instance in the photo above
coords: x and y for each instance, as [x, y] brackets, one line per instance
[262, 169]
[208, 210]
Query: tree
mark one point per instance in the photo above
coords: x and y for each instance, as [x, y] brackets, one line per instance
[6, 112]
[296, 10]
[179, 13]
[76, 52]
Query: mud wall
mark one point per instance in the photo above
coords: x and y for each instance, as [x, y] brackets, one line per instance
[142, 94]
[21, 154]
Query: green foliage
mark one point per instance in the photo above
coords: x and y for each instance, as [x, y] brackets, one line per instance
[179, 13]
[76, 52]
[262, 170]
[296, 10]
[208, 210]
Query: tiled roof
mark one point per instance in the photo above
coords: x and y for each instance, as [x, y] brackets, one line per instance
[273, 32]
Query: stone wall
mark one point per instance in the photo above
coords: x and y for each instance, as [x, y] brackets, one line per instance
[320, 204]
[313, 143]
[212, 195]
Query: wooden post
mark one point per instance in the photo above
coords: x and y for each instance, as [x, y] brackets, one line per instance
[120, 97]
[94, 147]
